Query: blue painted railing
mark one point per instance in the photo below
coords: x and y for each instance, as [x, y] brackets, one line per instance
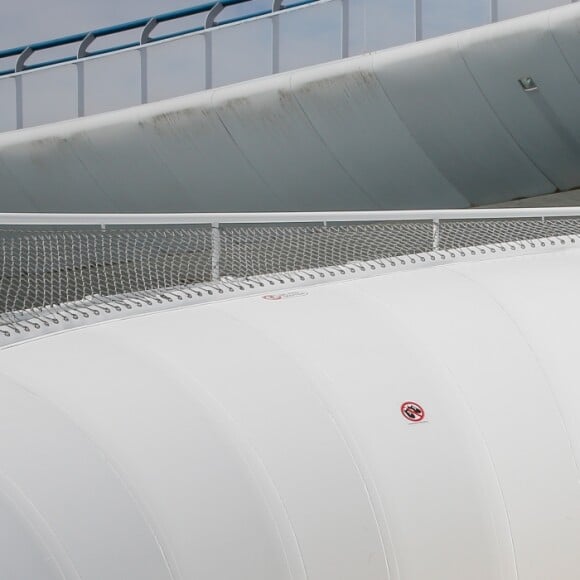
[78, 86]
[146, 27]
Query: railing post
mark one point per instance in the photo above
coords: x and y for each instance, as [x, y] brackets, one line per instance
[418, 19]
[80, 89]
[275, 44]
[83, 52]
[345, 49]
[210, 23]
[144, 76]
[436, 234]
[19, 67]
[145, 38]
[215, 251]
[276, 7]
[494, 10]
[208, 60]
[19, 102]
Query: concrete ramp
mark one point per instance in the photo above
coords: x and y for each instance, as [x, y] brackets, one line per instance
[482, 116]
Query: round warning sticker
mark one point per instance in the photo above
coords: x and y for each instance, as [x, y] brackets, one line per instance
[285, 295]
[413, 412]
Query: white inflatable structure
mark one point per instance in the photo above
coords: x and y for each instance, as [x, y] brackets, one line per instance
[264, 439]
[402, 418]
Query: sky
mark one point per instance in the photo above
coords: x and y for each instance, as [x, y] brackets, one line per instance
[25, 21]
[307, 36]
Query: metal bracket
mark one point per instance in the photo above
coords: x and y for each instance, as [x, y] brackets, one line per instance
[277, 5]
[215, 251]
[146, 32]
[212, 15]
[84, 45]
[436, 234]
[24, 55]
[528, 84]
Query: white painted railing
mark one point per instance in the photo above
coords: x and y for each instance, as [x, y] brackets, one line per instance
[129, 219]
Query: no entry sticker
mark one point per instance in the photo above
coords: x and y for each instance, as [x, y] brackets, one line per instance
[285, 295]
[412, 411]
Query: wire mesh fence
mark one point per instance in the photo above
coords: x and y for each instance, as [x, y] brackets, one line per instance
[42, 266]
[281, 248]
[464, 233]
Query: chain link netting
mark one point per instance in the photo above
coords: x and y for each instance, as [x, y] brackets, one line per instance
[42, 267]
[270, 249]
[464, 233]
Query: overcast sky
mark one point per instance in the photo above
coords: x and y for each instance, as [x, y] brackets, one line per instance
[25, 21]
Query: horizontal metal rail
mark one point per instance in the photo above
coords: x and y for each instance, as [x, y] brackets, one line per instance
[145, 25]
[80, 219]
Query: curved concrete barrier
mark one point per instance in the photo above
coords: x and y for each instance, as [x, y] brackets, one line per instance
[440, 123]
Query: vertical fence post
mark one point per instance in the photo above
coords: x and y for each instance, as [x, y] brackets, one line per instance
[83, 52]
[275, 44]
[418, 19]
[210, 23]
[19, 103]
[276, 7]
[208, 60]
[215, 251]
[494, 10]
[80, 89]
[345, 28]
[436, 234]
[18, 68]
[144, 77]
[145, 38]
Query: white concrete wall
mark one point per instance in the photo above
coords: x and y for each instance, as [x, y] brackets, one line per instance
[263, 439]
[442, 123]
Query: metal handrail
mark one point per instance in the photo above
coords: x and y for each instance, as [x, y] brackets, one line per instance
[147, 25]
[84, 219]
[19, 80]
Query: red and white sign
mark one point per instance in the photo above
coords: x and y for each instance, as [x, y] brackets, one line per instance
[285, 295]
[412, 411]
